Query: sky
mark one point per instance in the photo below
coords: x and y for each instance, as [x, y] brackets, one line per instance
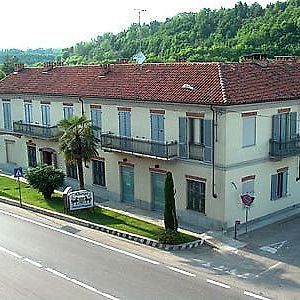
[62, 23]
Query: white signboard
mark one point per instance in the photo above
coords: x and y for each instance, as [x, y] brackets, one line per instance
[80, 199]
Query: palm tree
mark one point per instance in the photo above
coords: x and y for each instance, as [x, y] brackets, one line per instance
[77, 143]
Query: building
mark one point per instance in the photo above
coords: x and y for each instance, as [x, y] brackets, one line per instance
[222, 129]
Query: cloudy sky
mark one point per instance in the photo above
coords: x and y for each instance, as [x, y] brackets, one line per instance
[62, 23]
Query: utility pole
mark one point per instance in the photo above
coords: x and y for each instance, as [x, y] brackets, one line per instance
[139, 11]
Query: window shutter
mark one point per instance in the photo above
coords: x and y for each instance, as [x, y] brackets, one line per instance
[284, 183]
[275, 128]
[154, 127]
[208, 140]
[183, 149]
[274, 182]
[293, 125]
[161, 128]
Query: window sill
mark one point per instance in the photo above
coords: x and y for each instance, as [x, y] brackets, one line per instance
[196, 211]
[248, 146]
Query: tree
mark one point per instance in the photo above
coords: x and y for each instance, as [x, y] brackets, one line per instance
[170, 218]
[78, 143]
[45, 179]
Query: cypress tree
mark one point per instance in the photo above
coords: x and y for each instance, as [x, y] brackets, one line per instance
[170, 218]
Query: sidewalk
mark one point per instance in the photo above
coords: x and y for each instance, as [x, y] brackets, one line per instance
[212, 238]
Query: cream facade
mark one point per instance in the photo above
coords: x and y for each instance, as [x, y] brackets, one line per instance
[233, 161]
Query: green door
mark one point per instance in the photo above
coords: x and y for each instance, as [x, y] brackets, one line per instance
[127, 184]
[158, 191]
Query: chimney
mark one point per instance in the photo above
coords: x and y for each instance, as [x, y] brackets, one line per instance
[284, 58]
[105, 69]
[123, 60]
[49, 65]
[18, 67]
[255, 57]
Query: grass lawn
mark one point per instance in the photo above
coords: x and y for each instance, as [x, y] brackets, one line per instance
[9, 189]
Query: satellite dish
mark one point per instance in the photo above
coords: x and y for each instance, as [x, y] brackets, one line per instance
[140, 58]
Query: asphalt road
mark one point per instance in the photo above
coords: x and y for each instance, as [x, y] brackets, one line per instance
[41, 261]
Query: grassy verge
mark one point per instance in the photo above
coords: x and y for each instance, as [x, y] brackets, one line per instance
[9, 189]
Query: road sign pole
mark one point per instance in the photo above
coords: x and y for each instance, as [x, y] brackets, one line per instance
[247, 218]
[20, 191]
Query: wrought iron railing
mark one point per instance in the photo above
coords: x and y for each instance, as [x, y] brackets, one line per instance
[196, 151]
[285, 148]
[168, 150]
[47, 132]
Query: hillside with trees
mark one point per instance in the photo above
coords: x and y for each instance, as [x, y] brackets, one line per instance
[209, 35]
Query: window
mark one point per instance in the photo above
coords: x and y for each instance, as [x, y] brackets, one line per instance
[31, 151]
[249, 131]
[7, 115]
[196, 195]
[98, 172]
[71, 170]
[279, 184]
[28, 113]
[96, 121]
[45, 109]
[248, 187]
[68, 112]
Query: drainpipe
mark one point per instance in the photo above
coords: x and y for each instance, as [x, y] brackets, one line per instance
[213, 153]
[82, 107]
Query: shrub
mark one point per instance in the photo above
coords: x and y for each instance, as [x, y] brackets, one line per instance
[45, 179]
[171, 237]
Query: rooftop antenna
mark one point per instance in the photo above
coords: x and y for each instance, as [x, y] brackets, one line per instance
[140, 57]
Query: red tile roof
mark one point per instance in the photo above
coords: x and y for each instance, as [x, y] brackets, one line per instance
[213, 83]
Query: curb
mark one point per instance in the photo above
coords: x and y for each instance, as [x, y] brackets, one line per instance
[105, 229]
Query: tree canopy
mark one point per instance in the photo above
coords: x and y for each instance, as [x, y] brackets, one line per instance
[208, 35]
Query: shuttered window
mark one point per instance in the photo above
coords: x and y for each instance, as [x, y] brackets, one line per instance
[31, 152]
[96, 121]
[183, 146]
[28, 113]
[249, 131]
[196, 195]
[279, 183]
[157, 127]
[98, 172]
[207, 139]
[125, 123]
[45, 110]
[7, 115]
[71, 170]
[68, 112]
[248, 187]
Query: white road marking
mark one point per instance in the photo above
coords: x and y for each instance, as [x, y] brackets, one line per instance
[182, 271]
[33, 262]
[255, 296]
[225, 286]
[82, 238]
[273, 248]
[90, 288]
[59, 274]
[10, 252]
[269, 269]
[79, 283]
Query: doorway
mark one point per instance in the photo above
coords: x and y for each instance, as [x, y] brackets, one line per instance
[127, 184]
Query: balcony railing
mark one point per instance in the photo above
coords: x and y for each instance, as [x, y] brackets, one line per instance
[281, 149]
[137, 146]
[34, 130]
[196, 152]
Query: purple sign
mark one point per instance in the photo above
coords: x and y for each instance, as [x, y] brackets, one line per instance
[247, 199]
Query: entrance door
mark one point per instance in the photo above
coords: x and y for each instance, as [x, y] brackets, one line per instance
[158, 191]
[47, 158]
[127, 184]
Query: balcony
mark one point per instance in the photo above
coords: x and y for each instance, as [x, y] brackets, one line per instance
[280, 149]
[38, 131]
[196, 151]
[137, 146]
